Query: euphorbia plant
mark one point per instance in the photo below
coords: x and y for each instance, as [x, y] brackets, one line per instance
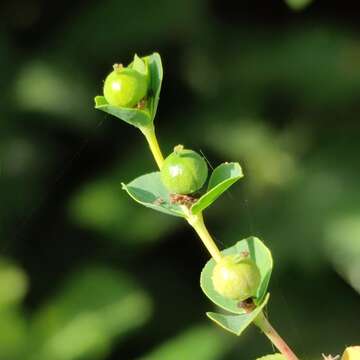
[235, 279]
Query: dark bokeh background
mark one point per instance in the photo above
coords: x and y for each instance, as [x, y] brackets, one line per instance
[87, 274]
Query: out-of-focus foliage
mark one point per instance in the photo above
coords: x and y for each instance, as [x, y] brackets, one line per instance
[44, 88]
[101, 206]
[96, 306]
[13, 331]
[85, 273]
[13, 284]
[343, 249]
[201, 342]
[298, 4]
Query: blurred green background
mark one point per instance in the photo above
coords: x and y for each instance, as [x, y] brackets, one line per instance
[85, 273]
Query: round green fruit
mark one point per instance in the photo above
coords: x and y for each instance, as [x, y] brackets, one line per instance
[125, 87]
[184, 171]
[235, 277]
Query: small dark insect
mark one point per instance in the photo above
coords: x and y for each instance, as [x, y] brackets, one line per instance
[248, 305]
[186, 200]
[158, 201]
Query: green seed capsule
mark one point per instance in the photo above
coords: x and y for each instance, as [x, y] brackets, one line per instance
[184, 171]
[235, 277]
[125, 87]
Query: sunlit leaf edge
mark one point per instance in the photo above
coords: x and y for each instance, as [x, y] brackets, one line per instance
[165, 206]
[136, 117]
[216, 190]
[156, 77]
[246, 319]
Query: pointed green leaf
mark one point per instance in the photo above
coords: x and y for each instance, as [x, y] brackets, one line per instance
[149, 191]
[139, 65]
[221, 179]
[237, 323]
[152, 66]
[259, 253]
[133, 116]
[156, 76]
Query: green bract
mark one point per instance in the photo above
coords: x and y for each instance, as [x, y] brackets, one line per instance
[150, 191]
[141, 117]
[259, 254]
[236, 277]
[125, 87]
[184, 171]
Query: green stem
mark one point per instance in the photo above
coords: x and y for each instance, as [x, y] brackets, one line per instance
[150, 136]
[263, 323]
[197, 222]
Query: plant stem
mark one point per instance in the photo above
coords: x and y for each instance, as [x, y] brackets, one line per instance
[263, 323]
[197, 222]
[150, 136]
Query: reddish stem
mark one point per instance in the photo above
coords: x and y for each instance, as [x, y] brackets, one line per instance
[262, 322]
